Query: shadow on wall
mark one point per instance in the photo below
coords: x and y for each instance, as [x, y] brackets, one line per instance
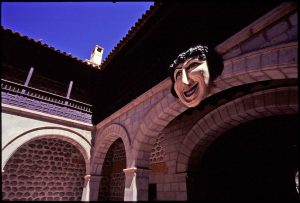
[256, 160]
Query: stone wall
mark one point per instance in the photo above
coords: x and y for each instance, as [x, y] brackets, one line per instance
[44, 169]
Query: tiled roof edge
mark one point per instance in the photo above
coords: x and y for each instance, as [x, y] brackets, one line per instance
[47, 46]
[132, 31]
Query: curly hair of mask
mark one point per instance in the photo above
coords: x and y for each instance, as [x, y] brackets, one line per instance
[198, 51]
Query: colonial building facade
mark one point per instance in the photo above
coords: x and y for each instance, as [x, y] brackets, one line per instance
[240, 142]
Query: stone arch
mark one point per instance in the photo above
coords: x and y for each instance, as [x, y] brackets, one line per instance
[272, 63]
[103, 141]
[158, 117]
[76, 139]
[278, 101]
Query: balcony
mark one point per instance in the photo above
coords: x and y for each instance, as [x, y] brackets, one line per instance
[30, 98]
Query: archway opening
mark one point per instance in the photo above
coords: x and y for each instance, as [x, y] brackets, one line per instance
[44, 169]
[255, 160]
[112, 184]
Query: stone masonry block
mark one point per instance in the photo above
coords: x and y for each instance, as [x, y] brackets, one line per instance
[167, 187]
[169, 196]
[239, 106]
[173, 155]
[164, 102]
[236, 51]
[258, 75]
[181, 177]
[245, 78]
[269, 99]
[181, 167]
[227, 68]
[172, 170]
[253, 43]
[293, 96]
[188, 144]
[233, 81]
[253, 62]
[203, 125]
[171, 112]
[160, 187]
[181, 196]
[183, 158]
[221, 84]
[280, 38]
[198, 131]
[161, 122]
[166, 117]
[293, 33]
[258, 100]
[239, 65]
[270, 58]
[174, 187]
[290, 72]
[171, 148]
[234, 112]
[210, 121]
[217, 118]
[248, 103]
[288, 56]
[193, 136]
[224, 114]
[185, 150]
[276, 30]
[170, 178]
[294, 19]
[275, 74]
[182, 186]
[282, 97]
[274, 110]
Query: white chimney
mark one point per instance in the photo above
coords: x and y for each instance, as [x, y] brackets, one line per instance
[96, 56]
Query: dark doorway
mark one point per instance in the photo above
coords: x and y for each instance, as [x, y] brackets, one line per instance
[256, 161]
[152, 192]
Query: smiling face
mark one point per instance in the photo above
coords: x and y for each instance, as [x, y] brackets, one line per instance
[191, 80]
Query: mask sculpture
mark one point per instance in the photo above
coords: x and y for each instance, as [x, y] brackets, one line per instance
[190, 76]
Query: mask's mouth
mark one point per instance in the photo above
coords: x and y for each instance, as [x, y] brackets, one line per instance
[191, 91]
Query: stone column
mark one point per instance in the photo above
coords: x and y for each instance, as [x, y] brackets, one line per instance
[136, 184]
[86, 188]
[94, 186]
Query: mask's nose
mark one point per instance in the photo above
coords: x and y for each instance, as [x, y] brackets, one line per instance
[185, 77]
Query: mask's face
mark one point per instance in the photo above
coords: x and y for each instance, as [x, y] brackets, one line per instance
[191, 80]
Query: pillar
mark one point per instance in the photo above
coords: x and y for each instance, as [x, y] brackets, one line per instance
[94, 186]
[136, 184]
[86, 189]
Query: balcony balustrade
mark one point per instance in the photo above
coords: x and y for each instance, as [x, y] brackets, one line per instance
[34, 99]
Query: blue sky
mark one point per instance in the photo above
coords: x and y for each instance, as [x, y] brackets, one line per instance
[73, 27]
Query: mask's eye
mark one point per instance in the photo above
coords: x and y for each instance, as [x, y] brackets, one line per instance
[178, 75]
[192, 67]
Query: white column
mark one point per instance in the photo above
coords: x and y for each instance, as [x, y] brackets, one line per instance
[69, 89]
[28, 77]
[136, 184]
[86, 189]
